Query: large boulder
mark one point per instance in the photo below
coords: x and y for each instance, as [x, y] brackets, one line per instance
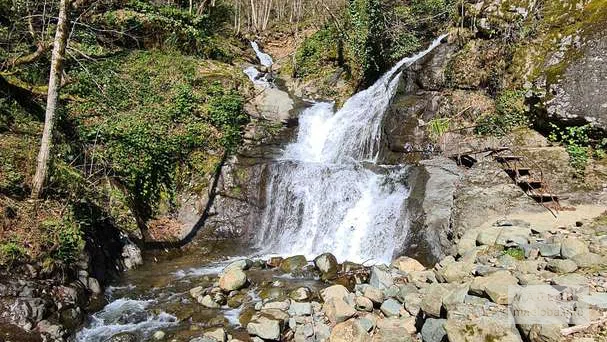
[576, 95]
[538, 316]
[294, 263]
[338, 310]
[477, 319]
[349, 331]
[571, 247]
[265, 327]
[381, 277]
[232, 279]
[407, 264]
[328, 266]
[433, 330]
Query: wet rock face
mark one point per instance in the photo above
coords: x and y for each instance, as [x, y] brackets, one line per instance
[579, 96]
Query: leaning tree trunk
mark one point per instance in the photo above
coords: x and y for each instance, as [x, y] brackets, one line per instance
[54, 83]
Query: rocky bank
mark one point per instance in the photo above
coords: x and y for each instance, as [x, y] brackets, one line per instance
[469, 295]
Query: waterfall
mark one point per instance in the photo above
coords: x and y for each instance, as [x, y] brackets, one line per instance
[264, 58]
[326, 193]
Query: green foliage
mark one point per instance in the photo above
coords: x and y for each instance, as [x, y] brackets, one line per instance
[577, 143]
[144, 123]
[511, 112]
[171, 26]
[64, 237]
[320, 49]
[10, 252]
[516, 253]
[437, 127]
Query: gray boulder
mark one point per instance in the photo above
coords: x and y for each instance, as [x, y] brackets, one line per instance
[265, 327]
[349, 331]
[391, 308]
[433, 330]
[561, 266]
[526, 304]
[381, 277]
[571, 247]
[328, 266]
[232, 279]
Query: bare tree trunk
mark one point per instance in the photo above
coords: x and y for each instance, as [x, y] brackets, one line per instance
[51, 101]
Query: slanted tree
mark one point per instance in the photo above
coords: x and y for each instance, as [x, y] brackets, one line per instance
[52, 98]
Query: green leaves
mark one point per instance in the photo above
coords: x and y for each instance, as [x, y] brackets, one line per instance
[146, 113]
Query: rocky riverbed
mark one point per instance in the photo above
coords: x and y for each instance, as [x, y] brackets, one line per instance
[468, 296]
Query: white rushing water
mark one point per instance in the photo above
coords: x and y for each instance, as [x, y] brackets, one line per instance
[124, 315]
[327, 194]
[264, 58]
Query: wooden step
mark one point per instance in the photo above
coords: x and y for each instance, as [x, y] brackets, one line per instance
[530, 184]
[519, 171]
[465, 160]
[543, 197]
[505, 159]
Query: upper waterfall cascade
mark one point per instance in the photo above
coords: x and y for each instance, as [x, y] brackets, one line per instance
[264, 58]
[327, 193]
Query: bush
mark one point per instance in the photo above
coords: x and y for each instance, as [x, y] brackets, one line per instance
[10, 252]
[511, 112]
[577, 143]
[65, 240]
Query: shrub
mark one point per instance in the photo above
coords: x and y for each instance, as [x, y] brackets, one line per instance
[10, 252]
[64, 237]
[511, 112]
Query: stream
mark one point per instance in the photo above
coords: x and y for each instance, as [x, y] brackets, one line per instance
[326, 192]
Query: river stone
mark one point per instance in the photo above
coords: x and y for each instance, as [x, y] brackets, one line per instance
[363, 304]
[549, 250]
[584, 316]
[367, 323]
[413, 302]
[421, 278]
[338, 310]
[571, 279]
[514, 234]
[264, 327]
[300, 309]
[495, 286]
[381, 277]
[433, 299]
[404, 290]
[588, 260]
[391, 308]
[598, 300]
[571, 247]
[219, 334]
[294, 263]
[538, 315]
[124, 337]
[487, 237]
[242, 264]
[301, 294]
[327, 264]
[434, 330]
[232, 279]
[207, 301]
[349, 331]
[159, 335]
[455, 272]
[335, 291]
[279, 305]
[481, 329]
[374, 294]
[394, 330]
[274, 262]
[561, 266]
[407, 264]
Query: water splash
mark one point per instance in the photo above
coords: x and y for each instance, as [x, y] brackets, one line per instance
[124, 315]
[327, 193]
